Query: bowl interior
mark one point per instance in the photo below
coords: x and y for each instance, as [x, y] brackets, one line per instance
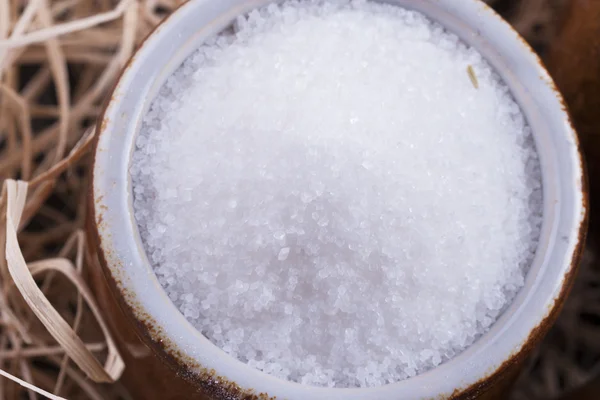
[563, 209]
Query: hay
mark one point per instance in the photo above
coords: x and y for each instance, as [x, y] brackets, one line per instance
[58, 58]
[57, 61]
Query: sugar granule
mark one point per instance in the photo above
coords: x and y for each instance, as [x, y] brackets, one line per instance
[326, 196]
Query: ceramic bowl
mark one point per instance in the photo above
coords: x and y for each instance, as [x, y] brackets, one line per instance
[481, 370]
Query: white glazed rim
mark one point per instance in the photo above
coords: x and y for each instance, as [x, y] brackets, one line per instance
[565, 209]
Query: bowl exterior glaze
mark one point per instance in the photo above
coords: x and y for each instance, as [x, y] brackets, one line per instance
[184, 364]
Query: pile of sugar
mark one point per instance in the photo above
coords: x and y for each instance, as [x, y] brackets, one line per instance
[326, 196]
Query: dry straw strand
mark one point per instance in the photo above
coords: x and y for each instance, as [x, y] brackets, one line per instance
[22, 276]
[48, 33]
[30, 386]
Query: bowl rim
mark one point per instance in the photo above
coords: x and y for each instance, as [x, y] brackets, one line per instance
[227, 379]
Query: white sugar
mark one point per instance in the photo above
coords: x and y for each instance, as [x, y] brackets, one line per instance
[326, 195]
